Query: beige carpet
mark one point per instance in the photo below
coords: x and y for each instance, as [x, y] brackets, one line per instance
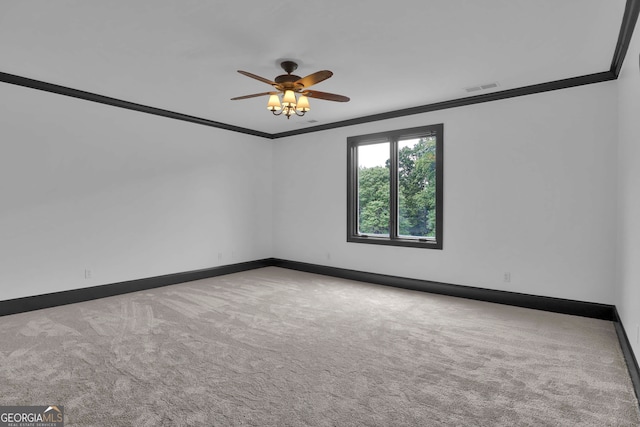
[275, 347]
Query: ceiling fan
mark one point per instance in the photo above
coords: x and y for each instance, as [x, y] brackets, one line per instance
[288, 86]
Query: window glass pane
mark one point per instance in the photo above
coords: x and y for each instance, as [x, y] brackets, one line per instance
[417, 187]
[373, 189]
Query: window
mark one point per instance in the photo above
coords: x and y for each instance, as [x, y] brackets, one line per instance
[394, 187]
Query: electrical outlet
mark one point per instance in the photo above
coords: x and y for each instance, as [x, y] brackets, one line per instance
[87, 274]
[329, 256]
[507, 277]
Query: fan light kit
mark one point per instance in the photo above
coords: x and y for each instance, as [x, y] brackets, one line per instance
[292, 96]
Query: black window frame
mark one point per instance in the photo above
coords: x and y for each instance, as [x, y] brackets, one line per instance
[353, 142]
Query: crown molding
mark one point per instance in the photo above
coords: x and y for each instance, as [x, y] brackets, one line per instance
[115, 102]
[461, 102]
[629, 19]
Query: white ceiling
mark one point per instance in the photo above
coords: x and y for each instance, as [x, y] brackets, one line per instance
[183, 55]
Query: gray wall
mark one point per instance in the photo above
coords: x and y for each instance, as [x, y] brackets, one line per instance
[628, 302]
[124, 194]
[529, 189]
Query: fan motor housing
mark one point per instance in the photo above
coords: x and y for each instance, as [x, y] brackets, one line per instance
[287, 78]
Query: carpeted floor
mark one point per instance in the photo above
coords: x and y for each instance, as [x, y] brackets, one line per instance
[275, 347]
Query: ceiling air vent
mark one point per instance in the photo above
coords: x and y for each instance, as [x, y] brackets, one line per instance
[479, 88]
[308, 122]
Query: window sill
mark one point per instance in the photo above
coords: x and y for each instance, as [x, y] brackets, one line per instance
[410, 243]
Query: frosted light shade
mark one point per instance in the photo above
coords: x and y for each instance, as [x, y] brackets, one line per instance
[303, 104]
[274, 103]
[289, 99]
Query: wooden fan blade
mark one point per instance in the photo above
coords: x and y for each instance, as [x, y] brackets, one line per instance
[253, 76]
[326, 96]
[253, 95]
[314, 78]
